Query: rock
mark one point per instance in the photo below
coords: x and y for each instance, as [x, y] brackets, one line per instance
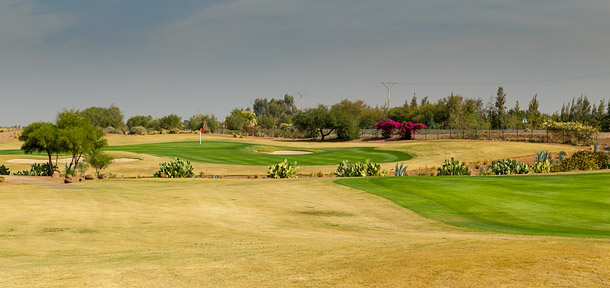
[55, 174]
[81, 179]
[89, 177]
[67, 180]
[69, 176]
[103, 176]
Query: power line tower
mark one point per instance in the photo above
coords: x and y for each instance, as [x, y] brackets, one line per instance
[299, 92]
[388, 85]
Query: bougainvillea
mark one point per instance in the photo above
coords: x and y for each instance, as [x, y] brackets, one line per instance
[407, 129]
[387, 127]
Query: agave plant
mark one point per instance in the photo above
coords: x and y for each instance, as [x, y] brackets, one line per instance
[400, 170]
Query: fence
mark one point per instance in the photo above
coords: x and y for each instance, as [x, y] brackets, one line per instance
[527, 135]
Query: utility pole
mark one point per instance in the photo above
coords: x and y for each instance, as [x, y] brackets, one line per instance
[299, 92]
[388, 85]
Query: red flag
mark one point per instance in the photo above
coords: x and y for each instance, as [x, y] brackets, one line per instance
[201, 130]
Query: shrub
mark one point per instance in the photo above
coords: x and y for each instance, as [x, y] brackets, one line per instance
[583, 160]
[1, 179]
[175, 169]
[98, 161]
[4, 170]
[509, 166]
[37, 169]
[387, 127]
[542, 166]
[137, 130]
[358, 169]
[408, 129]
[283, 170]
[570, 132]
[452, 168]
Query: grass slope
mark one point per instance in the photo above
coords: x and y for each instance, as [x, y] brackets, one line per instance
[562, 205]
[243, 154]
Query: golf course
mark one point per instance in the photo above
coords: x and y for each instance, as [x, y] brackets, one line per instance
[134, 230]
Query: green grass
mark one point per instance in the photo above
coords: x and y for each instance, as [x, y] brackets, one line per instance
[561, 205]
[244, 154]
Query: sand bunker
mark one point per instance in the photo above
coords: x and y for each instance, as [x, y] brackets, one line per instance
[64, 160]
[289, 152]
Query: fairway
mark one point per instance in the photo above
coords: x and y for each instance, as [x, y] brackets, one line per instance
[246, 154]
[563, 205]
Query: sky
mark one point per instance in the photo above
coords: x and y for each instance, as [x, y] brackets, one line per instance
[154, 57]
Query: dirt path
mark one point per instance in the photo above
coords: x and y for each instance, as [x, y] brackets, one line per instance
[42, 181]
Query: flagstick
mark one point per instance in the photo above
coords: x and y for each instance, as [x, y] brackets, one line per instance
[199, 137]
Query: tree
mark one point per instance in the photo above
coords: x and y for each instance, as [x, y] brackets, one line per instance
[171, 121]
[143, 121]
[316, 121]
[77, 136]
[499, 120]
[198, 121]
[105, 117]
[533, 115]
[98, 161]
[41, 137]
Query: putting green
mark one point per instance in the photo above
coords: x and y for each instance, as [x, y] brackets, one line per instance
[562, 205]
[247, 154]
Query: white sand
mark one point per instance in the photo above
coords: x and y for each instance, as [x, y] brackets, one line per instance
[290, 152]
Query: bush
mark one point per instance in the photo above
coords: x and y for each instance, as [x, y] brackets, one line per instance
[1, 179]
[358, 169]
[98, 161]
[408, 129]
[508, 167]
[137, 130]
[283, 170]
[542, 166]
[175, 169]
[452, 168]
[38, 169]
[4, 170]
[583, 160]
[387, 127]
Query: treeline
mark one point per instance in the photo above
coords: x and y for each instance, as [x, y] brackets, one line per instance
[281, 117]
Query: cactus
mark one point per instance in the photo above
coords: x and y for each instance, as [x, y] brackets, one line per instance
[400, 170]
[283, 170]
[452, 168]
[509, 166]
[175, 169]
[358, 169]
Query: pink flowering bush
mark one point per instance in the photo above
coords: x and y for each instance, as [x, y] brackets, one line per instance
[387, 127]
[407, 129]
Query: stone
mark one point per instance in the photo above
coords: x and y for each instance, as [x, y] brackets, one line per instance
[103, 176]
[67, 180]
[55, 174]
[69, 176]
[89, 177]
[81, 179]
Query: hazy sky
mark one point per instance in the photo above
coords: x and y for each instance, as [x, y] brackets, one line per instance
[185, 57]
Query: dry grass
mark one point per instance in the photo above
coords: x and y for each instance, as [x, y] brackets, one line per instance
[272, 233]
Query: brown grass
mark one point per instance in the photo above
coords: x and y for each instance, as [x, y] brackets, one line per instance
[270, 233]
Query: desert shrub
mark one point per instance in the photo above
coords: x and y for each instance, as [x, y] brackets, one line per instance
[358, 169]
[37, 169]
[508, 167]
[583, 160]
[452, 168]
[570, 132]
[98, 161]
[137, 130]
[1, 179]
[175, 169]
[4, 170]
[283, 169]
